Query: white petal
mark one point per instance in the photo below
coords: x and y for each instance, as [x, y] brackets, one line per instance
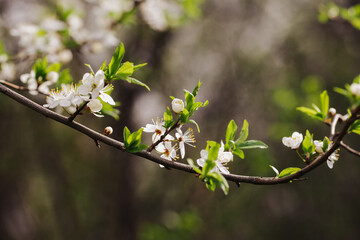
[204, 154]
[95, 105]
[149, 128]
[182, 149]
[107, 98]
[83, 90]
[65, 103]
[330, 163]
[200, 162]
[222, 168]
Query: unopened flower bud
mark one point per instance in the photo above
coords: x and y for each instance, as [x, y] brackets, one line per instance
[177, 105]
[108, 130]
[332, 112]
[355, 89]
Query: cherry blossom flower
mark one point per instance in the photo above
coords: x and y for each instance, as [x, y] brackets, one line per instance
[183, 138]
[294, 141]
[167, 151]
[332, 158]
[65, 97]
[157, 128]
[222, 159]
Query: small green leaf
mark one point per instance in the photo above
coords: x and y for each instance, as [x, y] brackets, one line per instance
[308, 111]
[189, 100]
[355, 127]
[208, 166]
[184, 116]
[116, 59]
[324, 102]
[213, 149]
[168, 118]
[249, 144]
[308, 143]
[137, 82]
[126, 134]
[196, 89]
[288, 171]
[244, 132]
[239, 153]
[126, 69]
[103, 66]
[326, 144]
[53, 67]
[64, 78]
[230, 131]
[137, 67]
[219, 180]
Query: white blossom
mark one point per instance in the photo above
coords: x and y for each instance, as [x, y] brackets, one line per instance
[177, 105]
[222, 159]
[157, 128]
[294, 141]
[183, 138]
[167, 151]
[108, 131]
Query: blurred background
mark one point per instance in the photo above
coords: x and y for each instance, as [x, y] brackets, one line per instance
[258, 60]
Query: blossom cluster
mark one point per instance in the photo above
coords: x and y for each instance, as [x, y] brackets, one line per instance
[38, 84]
[166, 144]
[294, 142]
[92, 91]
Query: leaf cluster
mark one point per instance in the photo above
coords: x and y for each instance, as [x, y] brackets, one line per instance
[116, 70]
[319, 113]
[132, 141]
[236, 146]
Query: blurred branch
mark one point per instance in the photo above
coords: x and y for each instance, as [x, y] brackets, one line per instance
[181, 166]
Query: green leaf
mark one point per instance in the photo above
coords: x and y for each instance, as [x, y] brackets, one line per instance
[275, 170]
[219, 180]
[103, 66]
[116, 59]
[213, 149]
[137, 82]
[249, 144]
[288, 171]
[355, 127]
[168, 118]
[197, 126]
[64, 78]
[324, 103]
[189, 100]
[126, 69]
[208, 166]
[137, 67]
[326, 143]
[230, 131]
[308, 111]
[191, 163]
[53, 67]
[196, 89]
[110, 110]
[126, 134]
[244, 132]
[308, 143]
[184, 116]
[239, 153]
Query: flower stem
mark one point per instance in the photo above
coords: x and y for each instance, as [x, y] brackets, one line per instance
[72, 117]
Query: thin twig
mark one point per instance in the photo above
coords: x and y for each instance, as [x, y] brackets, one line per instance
[73, 116]
[350, 149]
[176, 165]
[17, 87]
[162, 137]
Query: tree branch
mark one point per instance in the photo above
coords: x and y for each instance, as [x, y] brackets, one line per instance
[176, 165]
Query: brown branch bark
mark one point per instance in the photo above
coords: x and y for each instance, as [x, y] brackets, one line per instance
[176, 165]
